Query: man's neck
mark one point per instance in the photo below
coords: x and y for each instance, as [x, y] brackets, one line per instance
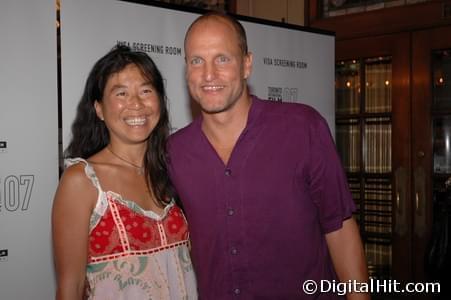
[223, 129]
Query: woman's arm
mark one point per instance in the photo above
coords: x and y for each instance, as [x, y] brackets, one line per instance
[73, 203]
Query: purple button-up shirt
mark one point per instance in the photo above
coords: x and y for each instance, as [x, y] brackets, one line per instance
[257, 224]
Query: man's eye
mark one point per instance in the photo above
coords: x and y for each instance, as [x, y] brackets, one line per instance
[223, 59]
[196, 61]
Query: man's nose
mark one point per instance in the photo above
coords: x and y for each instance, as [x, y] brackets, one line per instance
[210, 71]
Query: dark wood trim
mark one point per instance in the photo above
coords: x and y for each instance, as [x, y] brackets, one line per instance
[421, 112]
[381, 21]
[401, 151]
[231, 5]
[312, 11]
[200, 11]
[366, 47]
[306, 12]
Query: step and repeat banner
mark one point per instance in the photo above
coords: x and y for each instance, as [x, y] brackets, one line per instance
[28, 147]
[290, 65]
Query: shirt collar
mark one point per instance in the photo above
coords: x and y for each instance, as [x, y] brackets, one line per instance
[254, 113]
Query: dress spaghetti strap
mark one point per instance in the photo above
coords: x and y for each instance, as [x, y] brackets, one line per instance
[89, 170]
[102, 202]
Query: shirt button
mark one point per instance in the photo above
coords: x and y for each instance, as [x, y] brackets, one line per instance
[237, 291]
[233, 251]
[228, 172]
[230, 212]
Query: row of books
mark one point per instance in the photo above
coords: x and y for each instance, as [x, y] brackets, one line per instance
[375, 215]
[378, 139]
[375, 211]
[378, 88]
[348, 146]
[378, 206]
[378, 91]
[379, 259]
[347, 94]
[377, 148]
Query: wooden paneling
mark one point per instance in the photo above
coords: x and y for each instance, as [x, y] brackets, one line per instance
[382, 21]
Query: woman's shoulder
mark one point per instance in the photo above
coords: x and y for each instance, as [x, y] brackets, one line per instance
[75, 191]
[75, 176]
[84, 170]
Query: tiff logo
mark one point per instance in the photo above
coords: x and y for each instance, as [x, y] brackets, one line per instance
[3, 254]
[275, 93]
[282, 94]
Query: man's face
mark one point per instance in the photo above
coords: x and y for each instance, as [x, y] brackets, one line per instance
[216, 68]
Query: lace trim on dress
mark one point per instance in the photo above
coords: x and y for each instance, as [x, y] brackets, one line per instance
[102, 200]
[101, 203]
[136, 208]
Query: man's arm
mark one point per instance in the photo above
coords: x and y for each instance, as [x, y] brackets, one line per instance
[348, 257]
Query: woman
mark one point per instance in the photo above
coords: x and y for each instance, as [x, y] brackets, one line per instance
[117, 232]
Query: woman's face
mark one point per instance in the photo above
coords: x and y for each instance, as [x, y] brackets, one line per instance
[130, 106]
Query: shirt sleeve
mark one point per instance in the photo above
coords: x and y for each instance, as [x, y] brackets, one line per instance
[326, 179]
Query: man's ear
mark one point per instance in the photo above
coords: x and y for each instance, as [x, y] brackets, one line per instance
[248, 65]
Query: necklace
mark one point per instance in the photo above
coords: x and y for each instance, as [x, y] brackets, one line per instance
[139, 169]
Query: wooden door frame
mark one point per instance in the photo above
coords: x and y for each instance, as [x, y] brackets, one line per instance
[423, 42]
[397, 46]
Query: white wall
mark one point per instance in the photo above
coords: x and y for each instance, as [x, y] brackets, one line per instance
[29, 163]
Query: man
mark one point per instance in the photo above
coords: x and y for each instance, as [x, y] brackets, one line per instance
[264, 192]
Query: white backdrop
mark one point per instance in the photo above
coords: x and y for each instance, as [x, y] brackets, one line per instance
[294, 66]
[28, 147]
[289, 65]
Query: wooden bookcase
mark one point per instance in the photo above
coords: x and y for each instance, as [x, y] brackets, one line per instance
[394, 136]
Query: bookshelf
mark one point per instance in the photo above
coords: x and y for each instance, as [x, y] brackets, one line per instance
[363, 139]
[394, 137]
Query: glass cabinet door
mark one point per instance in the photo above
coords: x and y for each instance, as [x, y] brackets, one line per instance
[431, 112]
[437, 257]
[372, 129]
[441, 108]
[363, 137]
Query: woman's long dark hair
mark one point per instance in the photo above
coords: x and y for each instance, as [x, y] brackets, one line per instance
[90, 135]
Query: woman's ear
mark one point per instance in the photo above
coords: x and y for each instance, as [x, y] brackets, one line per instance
[98, 108]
